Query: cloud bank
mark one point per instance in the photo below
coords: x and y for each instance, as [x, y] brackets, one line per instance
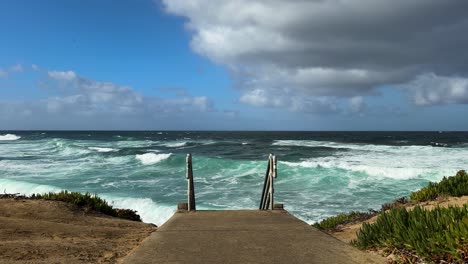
[84, 102]
[308, 55]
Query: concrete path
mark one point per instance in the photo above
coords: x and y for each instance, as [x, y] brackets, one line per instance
[247, 236]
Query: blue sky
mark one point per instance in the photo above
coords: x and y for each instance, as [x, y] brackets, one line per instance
[195, 65]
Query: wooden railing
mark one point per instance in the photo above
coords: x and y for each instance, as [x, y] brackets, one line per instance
[266, 201]
[190, 187]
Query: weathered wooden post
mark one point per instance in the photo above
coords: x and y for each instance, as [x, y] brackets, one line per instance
[267, 201]
[272, 175]
[190, 187]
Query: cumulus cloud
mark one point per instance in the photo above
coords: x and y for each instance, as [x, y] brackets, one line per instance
[84, 102]
[431, 89]
[62, 75]
[356, 104]
[316, 51]
[13, 69]
[292, 102]
[90, 96]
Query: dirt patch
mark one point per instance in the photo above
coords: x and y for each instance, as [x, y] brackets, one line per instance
[348, 232]
[39, 231]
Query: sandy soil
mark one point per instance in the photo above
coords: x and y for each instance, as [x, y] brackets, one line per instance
[348, 232]
[37, 231]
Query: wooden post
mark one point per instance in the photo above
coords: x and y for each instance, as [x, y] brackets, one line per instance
[267, 200]
[190, 187]
[270, 175]
[264, 198]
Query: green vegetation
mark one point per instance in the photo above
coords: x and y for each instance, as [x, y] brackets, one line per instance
[342, 219]
[437, 234]
[453, 186]
[333, 222]
[89, 202]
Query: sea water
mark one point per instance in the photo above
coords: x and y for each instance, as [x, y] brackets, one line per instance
[320, 174]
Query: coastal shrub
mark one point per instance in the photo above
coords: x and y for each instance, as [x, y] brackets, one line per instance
[437, 234]
[396, 203]
[89, 202]
[344, 218]
[332, 222]
[453, 186]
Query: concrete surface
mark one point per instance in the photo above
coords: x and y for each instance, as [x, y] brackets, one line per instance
[246, 236]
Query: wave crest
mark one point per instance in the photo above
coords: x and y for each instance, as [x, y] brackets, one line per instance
[175, 144]
[150, 211]
[152, 158]
[9, 137]
[99, 149]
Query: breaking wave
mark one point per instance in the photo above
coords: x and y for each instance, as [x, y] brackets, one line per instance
[152, 158]
[9, 137]
[150, 211]
[175, 144]
[98, 149]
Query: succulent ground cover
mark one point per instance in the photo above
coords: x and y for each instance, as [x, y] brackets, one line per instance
[438, 235]
[88, 202]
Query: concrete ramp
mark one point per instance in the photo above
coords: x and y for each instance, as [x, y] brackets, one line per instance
[245, 236]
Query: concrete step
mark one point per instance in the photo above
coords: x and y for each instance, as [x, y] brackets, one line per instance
[244, 236]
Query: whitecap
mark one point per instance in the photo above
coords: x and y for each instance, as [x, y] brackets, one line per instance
[149, 211]
[175, 144]
[154, 150]
[9, 137]
[99, 149]
[395, 162]
[152, 158]
[25, 188]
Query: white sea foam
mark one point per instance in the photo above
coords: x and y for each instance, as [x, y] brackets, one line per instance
[396, 162]
[67, 148]
[92, 181]
[149, 211]
[26, 188]
[154, 150]
[9, 137]
[152, 158]
[99, 149]
[339, 145]
[175, 144]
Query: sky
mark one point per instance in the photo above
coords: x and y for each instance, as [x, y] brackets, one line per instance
[233, 65]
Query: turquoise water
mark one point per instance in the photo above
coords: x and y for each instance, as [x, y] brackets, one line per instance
[319, 173]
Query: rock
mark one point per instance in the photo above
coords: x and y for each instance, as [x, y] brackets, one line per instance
[391, 258]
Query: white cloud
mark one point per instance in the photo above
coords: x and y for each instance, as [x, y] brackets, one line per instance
[62, 75]
[315, 49]
[85, 96]
[432, 89]
[81, 102]
[16, 68]
[356, 104]
[294, 103]
[13, 69]
[35, 68]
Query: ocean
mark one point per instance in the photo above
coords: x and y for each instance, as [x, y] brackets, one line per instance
[320, 174]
